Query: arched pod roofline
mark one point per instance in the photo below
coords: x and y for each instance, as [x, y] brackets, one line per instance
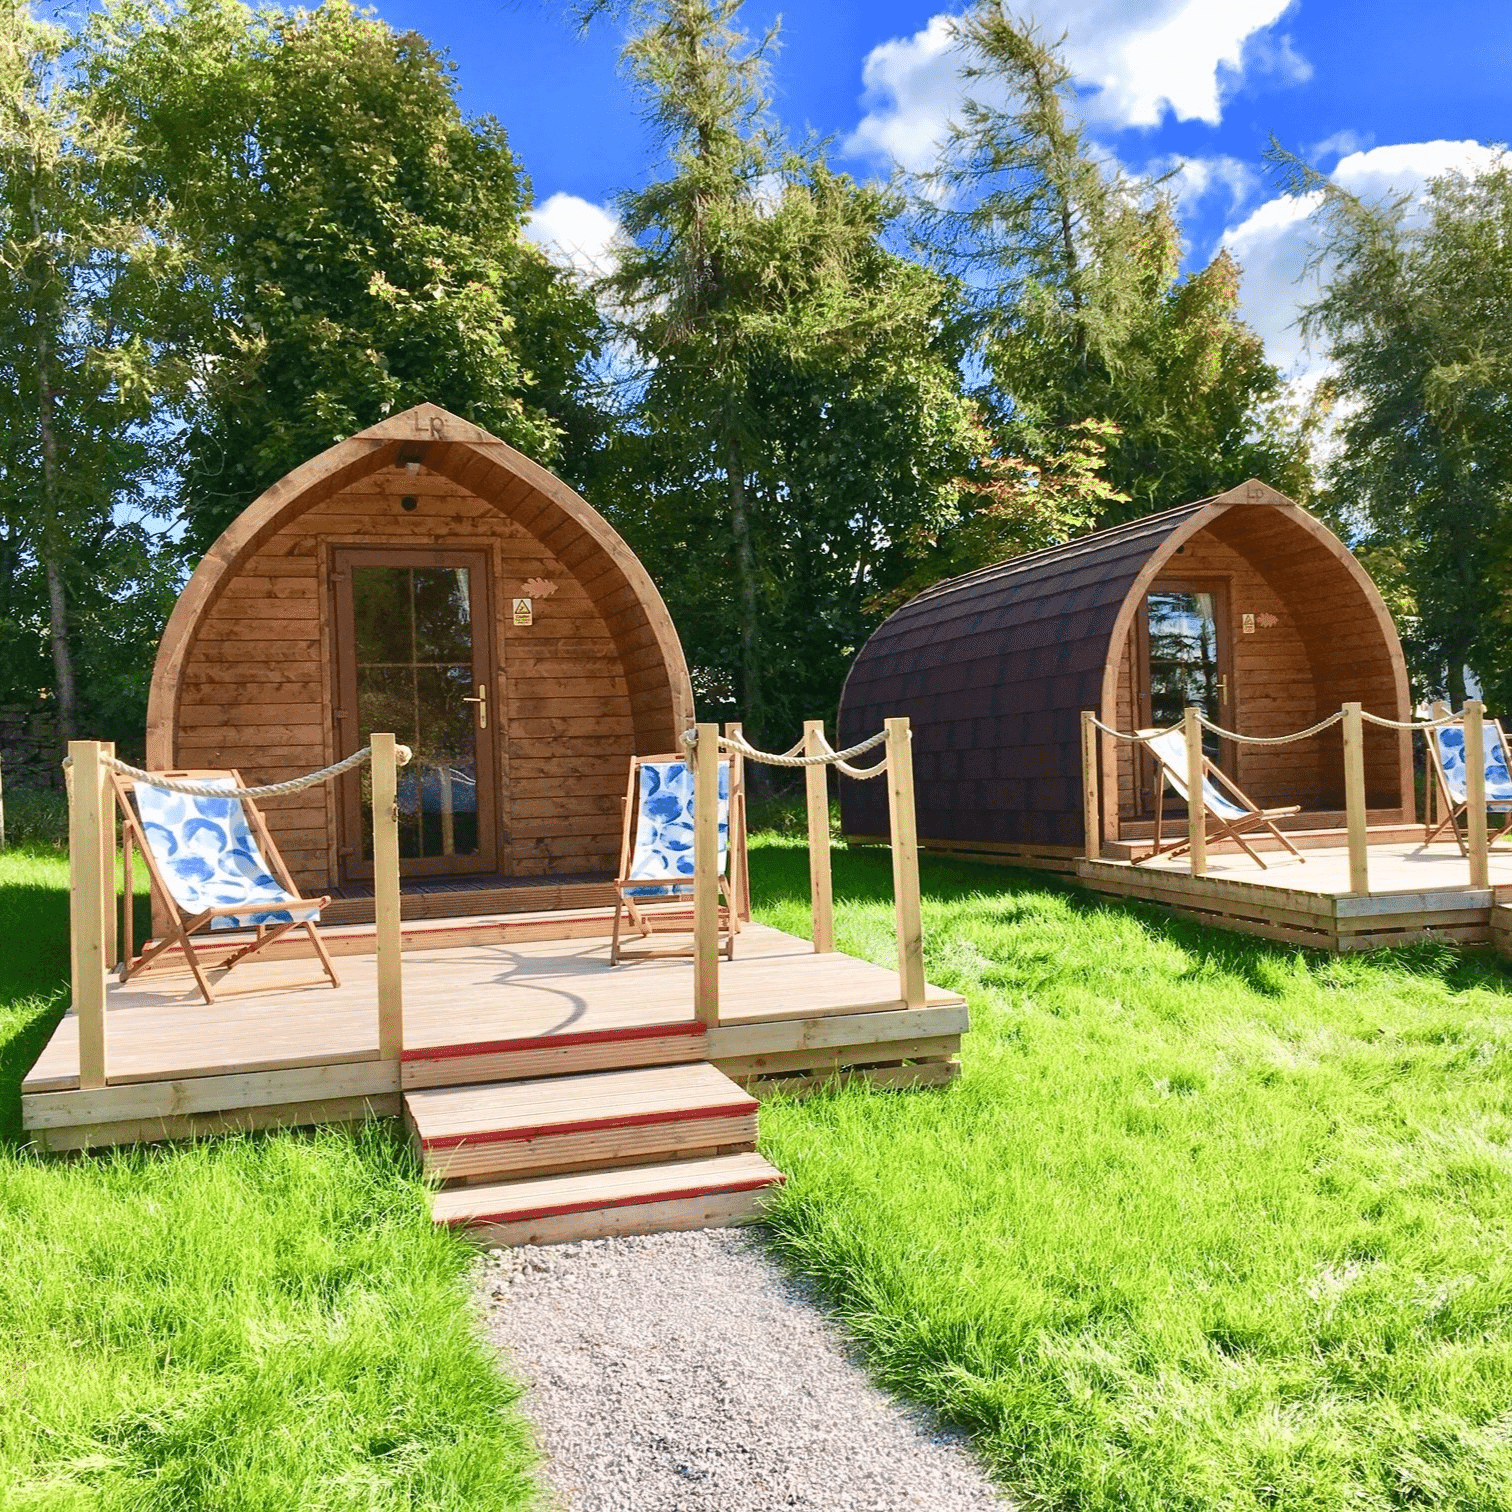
[994, 667]
[495, 472]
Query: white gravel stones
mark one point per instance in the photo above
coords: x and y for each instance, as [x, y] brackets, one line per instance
[688, 1373]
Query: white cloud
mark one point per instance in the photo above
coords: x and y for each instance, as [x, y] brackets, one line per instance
[912, 88]
[1194, 179]
[1136, 64]
[577, 234]
[1274, 243]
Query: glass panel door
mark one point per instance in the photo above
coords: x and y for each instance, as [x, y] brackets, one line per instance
[1184, 666]
[414, 665]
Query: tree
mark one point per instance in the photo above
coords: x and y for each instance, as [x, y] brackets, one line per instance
[1079, 310]
[1416, 311]
[76, 449]
[796, 409]
[353, 243]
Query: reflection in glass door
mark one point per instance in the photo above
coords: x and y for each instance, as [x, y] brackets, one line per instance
[1184, 667]
[411, 625]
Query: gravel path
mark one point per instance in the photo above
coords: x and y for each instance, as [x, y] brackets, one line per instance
[688, 1373]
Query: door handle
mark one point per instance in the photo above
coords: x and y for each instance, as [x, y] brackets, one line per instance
[1223, 690]
[481, 699]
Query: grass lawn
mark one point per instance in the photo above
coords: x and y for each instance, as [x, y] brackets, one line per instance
[1207, 1223]
[255, 1324]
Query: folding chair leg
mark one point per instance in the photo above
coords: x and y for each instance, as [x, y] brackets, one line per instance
[322, 952]
[614, 941]
[192, 956]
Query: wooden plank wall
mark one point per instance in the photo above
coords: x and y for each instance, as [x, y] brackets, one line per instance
[1323, 647]
[257, 691]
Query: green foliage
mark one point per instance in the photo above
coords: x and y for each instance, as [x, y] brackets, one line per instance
[1080, 312]
[79, 434]
[351, 243]
[795, 406]
[249, 1323]
[1206, 1224]
[1417, 315]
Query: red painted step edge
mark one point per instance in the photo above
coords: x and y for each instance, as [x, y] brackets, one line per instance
[589, 1125]
[682, 1194]
[550, 1041]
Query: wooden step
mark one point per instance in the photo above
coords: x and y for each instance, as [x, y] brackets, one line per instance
[647, 1199]
[520, 1128]
[553, 1054]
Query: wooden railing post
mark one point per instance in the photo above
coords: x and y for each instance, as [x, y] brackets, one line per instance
[88, 816]
[1091, 808]
[1475, 793]
[706, 876]
[1355, 816]
[1196, 803]
[821, 884]
[385, 761]
[905, 860]
[740, 866]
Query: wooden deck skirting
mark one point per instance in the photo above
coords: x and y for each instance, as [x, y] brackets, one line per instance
[474, 1013]
[1421, 893]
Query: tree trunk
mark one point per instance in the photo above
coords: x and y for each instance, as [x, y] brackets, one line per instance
[52, 512]
[752, 711]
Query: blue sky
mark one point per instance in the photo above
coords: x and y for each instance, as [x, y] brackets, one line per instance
[1381, 92]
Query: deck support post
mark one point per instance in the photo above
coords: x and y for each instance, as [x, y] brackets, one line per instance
[386, 921]
[821, 883]
[110, 900]
[1191, 722]
[1091, 815]
[706, 876]
[740, 865]
[905, 861]
[1355, 816]
[1475, 793]
[88, 819]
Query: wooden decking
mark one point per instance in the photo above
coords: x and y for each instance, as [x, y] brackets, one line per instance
[1416, 892]
[474, 1011]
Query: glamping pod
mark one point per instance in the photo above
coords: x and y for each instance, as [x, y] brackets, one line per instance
[1242, 604]
[425, 578]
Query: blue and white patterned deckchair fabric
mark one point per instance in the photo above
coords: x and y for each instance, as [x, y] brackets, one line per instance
[664, 828]
[1451, 749]
[209, 857]
[1172, 751]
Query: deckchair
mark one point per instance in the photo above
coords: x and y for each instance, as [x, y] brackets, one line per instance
[213, 866]
[1446, 755]
[1230, 815]
[654, 887]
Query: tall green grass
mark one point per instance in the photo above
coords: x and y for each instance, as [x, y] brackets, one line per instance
[1207, 1223]
[251, 1324]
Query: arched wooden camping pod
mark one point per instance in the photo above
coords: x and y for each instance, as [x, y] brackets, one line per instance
[424, 570]
[994, 668]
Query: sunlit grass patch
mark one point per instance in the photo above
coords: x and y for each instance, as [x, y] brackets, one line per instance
[1206, 1223]
[261, 1322]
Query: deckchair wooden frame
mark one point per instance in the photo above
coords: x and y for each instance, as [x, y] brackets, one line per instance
[1218, 828]
[644, 915]
[1455, 813]
[182, 926]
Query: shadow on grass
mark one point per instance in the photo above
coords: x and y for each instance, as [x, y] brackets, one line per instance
[864, 875]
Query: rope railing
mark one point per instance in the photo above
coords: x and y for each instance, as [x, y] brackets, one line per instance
[402, 755]
[789, 758]
[704, 745]
[1353, 717]
[1407, 724]
[1272, 740]
[1136, 735]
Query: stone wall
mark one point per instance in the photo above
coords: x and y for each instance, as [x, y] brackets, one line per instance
[29, 750]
